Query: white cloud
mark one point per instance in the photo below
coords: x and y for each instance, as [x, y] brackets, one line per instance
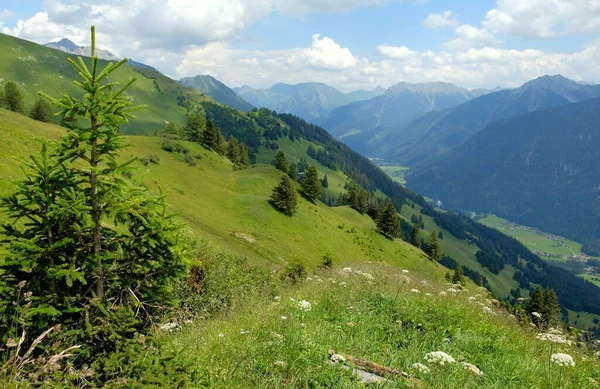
[303, 7]
[534, 19]
[396, 52]
[327, 54]
[5, 13]
[468, 36]
[435, 20]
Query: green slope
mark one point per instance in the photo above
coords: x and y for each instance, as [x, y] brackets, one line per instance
[38, 68]
[217, 90]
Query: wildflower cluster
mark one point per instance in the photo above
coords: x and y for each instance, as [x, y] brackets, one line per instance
[439, 358]
[553, 338]
[304, 305]
[472, 369]
[421, 368]
[562, 360]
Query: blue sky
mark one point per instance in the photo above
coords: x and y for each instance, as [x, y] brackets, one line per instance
[349, 44]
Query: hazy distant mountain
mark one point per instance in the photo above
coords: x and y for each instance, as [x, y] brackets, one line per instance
[68, 46]
[361, 124]
[456, 125]
[217, 90]
[308, 100]
[362, 94]
[538, 169]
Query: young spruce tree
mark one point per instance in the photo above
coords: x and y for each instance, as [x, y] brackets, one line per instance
[42, 111]
[281, 161]
[433, 247]
[99, 255]
[311, 185]
[13, 98]
[388, 222]
[284, 196]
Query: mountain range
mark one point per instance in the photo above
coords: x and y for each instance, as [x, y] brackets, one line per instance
[362, 124]
[308, 100]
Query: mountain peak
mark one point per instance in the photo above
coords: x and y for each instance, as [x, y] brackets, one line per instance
[437, 87]
[551, 82]
[66, 43]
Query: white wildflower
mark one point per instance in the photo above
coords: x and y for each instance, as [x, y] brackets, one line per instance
[512, 317]
[319, 280]
[10, 342]
[562, 359]
[280, 364]
[169, 326]
[553, 338]
[487, 310]
[457, 286]
[368, 276]
[277, 336]
[452, 290]
[244, 332]
[302, 325]
[343, 284]
[304, 305]
[554, 331]
[472, 299]
[421, 368]
[331, 280]
[439, 358]
[309, 279]
[188, 321]
[347, 269]
[415, 290]
[472, 368]
[428, 294]
[405, 279]
[337, 358]
[221, 336]
[442, 293]
[404, 271]
[425, 283]
[536, 314]
[532, 325]
[283, 317]
[277, 298]
[495, 302]
[292, 299]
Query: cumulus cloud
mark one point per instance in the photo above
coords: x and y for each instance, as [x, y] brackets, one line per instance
[468, 36]
[328, 54]
[540, 19]
[439, 20]
[303, 7]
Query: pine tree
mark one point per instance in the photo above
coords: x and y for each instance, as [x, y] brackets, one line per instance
[311, 185]
[284, 196]
[388, 222]
[13, 98]
[293, 171]
[194, 127]
[373, 206]
[98, 254]
[480, 280]
[244, 157]
[551, 312]
[536, 304]
[441, 235]
[281, 161]
[171, 130]
[211, 137]
[415, 236]
[325, 182]
[362, 200]
[459, 276]
[433, 247]
[42, 111]
[233, 151]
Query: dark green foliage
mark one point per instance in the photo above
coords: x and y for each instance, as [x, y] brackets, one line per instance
[173, 146]
[433, 248]
[415, 236]
[326, 261]
[284, 196]
[194, 127]
[441, 235]
[475, 276]
[311, 185]
[42, 111]
[325, 182]
[388, 222]
[546, 304]
[244, 157]
[293, 171]
[191, 161]
[99, 255]
[13, 98]
[281, 162]
[357, 198]
[148, 159]
[459, 276]
[294, 271]
[233, 150]
[211, 137]
[171, 130]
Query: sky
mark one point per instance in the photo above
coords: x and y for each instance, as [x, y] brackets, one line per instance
[348, 44]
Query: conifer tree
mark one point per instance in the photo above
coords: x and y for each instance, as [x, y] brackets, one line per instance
[459, 276]
[293, 171]
[281, 161]
[211, 137]
[233, 151]
[99, 255]
[13, 98]
[373, 206]
[244, 157]
[284, 196]
[415, 236]
[433, 247]
[441, 235]
[551, 312]
[325, 182]
[388, 222]
[171, 130]
[311, 185]
[41, 111]
[194, 127]
[362, 201]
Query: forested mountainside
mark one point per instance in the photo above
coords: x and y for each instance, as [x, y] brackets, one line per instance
[438, 132]
[540, 169]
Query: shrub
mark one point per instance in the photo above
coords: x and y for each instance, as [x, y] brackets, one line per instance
[327, 261]
[148, 159]
[191, 161]
[294, 271]
[173, 146]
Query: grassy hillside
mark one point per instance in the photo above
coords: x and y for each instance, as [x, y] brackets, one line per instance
[38, 68]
